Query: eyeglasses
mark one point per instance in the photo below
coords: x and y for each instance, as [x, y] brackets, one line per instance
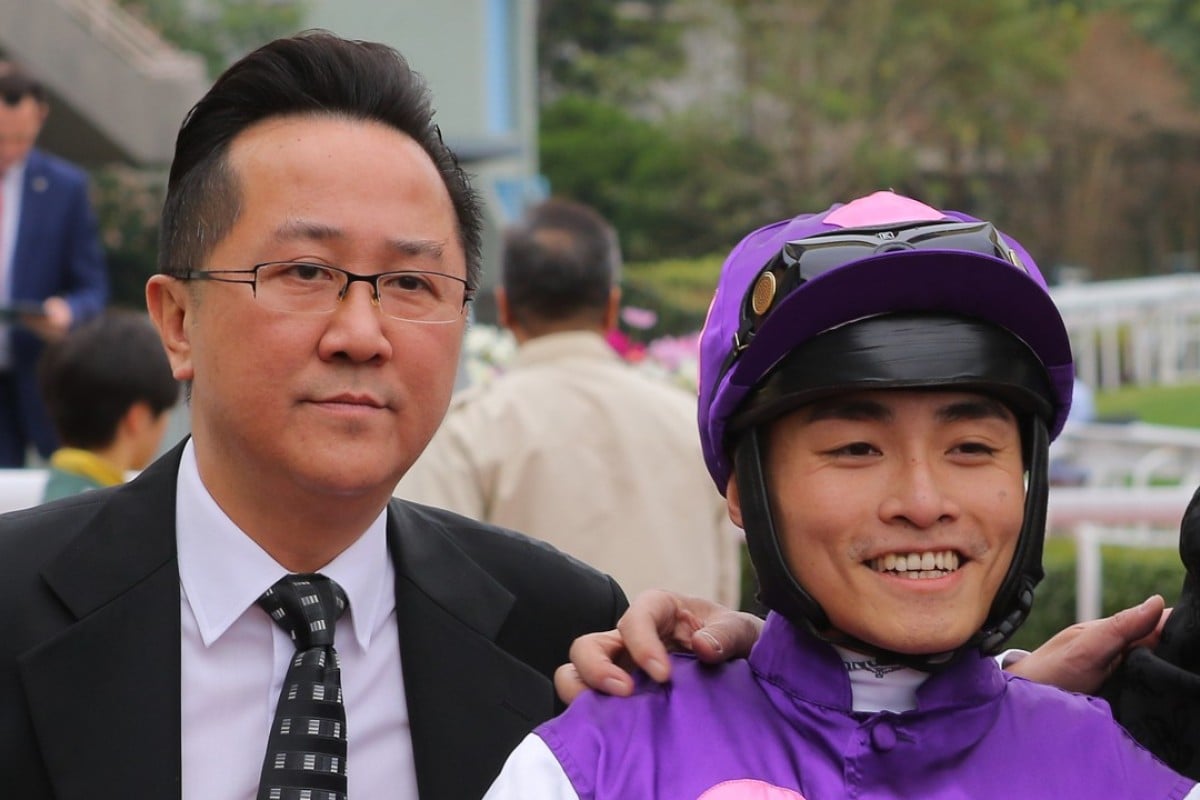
[804, 259]
[303, 287]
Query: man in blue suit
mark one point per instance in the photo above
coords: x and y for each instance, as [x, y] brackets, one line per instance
[52, 269]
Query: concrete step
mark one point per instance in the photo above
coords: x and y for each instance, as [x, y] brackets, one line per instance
[118, 91]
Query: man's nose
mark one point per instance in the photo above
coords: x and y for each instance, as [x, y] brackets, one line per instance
[916, 495]
[356, 330]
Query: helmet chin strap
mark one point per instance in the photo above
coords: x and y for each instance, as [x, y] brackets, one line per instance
[781, 592]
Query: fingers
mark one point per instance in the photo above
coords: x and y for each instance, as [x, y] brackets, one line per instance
[596, 663]
[567, 683]
[1134, 626]
[53, 323]
[654, 620]
[1080, 658]
[728, 635]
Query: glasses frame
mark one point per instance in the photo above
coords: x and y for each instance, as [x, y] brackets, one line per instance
[219, 276]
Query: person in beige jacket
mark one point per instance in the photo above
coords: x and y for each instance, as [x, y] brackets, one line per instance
[572, 445]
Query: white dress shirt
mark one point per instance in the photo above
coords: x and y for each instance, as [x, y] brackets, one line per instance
[234, 657]
[10, 218]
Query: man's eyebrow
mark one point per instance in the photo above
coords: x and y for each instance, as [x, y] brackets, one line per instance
[863, 409]
[307, 230]
[848, 409]
[973, 409]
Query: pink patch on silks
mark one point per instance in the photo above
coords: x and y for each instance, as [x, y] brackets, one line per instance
[749, 790]
[881, 208]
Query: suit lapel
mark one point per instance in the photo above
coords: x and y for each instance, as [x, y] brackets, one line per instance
[104, 694]
[469, 701]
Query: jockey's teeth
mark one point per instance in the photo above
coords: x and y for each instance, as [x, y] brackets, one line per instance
[927, 564]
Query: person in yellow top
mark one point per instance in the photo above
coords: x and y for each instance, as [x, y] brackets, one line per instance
[108, 387]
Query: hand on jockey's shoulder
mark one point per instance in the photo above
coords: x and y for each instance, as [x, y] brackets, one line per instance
[655, 623]
[1078, 658]
[1081, 657]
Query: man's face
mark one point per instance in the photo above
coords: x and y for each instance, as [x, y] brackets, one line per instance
[310, 405]
[898, 511]
[19, 128]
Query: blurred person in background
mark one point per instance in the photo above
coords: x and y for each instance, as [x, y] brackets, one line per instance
[52, 269]
[108, 387]
[572, 444]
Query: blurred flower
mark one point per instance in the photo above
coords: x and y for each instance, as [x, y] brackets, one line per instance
[487, 350]
[676, 358]
[642, 319]
[625, 347]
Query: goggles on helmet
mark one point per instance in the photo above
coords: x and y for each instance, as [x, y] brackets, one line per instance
[804, 259]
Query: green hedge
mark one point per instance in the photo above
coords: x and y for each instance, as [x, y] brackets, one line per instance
[1130, 575]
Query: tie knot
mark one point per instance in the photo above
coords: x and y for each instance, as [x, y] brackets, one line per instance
[307, 607]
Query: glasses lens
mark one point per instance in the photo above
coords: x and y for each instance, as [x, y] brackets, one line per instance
[298, 286]
[316, 288]
[421, 296]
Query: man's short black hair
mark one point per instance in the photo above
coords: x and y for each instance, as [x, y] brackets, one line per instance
[16, 84]
[94, 375]
[560, 262]
[313, 73]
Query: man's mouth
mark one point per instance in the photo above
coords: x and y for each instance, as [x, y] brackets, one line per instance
[354, 399]
[917, 565]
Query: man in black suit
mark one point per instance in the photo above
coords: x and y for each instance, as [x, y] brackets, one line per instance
[134, 661]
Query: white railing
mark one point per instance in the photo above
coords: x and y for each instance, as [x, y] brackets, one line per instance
[1127, 516]
[1143, 331]
[1131, 454]
[1124, 501]
[21, 488]
[137, 43]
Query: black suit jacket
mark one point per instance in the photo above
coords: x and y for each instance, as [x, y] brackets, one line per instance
[90, 642]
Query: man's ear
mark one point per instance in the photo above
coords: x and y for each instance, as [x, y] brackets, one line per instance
[612, 311]
[503, 313]
[734, 500]
[170, 304]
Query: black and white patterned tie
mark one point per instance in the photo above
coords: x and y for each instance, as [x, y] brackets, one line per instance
[306, 751]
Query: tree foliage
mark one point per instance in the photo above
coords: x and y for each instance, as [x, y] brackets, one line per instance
[1069, 122]
[219, 30]
[669, 190]
[1174, 25]
[854, 94]
[604, 49]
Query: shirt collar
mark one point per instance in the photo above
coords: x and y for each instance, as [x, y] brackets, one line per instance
[793, 658]
[554, 346]
[222, 571]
